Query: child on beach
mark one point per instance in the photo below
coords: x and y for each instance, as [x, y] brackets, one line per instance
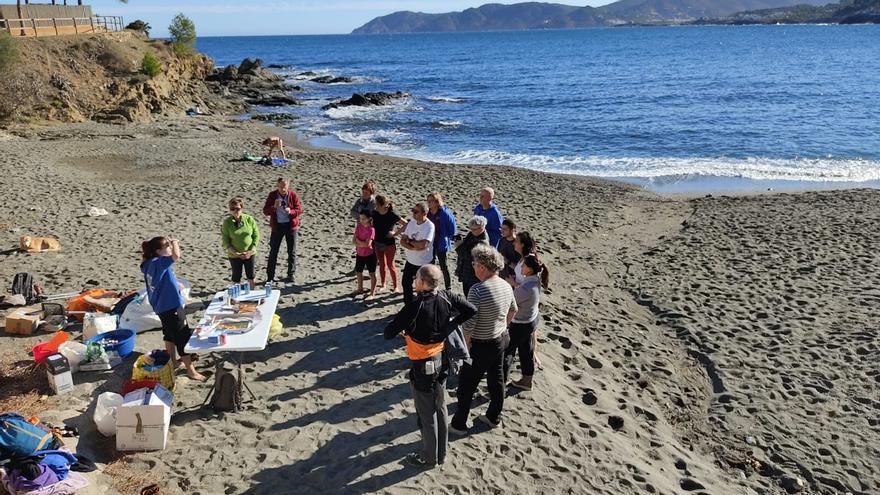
[364, 234]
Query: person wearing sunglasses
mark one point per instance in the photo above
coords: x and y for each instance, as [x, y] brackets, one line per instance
[417, 241]
[240, 237]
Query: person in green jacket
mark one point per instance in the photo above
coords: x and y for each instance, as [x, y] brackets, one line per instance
[240, 236]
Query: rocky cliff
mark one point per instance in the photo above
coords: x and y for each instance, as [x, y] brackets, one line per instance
[97, 77]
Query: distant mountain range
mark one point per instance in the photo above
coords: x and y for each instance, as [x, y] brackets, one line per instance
[537, 15]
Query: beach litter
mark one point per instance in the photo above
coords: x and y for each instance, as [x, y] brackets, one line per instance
[97, 212]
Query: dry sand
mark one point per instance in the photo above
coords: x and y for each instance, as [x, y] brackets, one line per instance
[715, 345]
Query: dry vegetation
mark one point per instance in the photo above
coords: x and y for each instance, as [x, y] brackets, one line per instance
[23, 385]
[129, 479]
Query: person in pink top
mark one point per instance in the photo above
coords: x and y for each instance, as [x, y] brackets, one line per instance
[364, 234]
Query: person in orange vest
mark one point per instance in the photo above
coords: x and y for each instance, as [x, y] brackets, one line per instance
[424, 323]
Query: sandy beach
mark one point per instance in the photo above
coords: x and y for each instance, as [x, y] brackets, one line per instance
[717, 345]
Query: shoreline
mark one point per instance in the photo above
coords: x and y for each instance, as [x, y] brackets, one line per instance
[672, 186]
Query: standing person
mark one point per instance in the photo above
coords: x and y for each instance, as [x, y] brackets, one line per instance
[367, 201]
[487, 333]
[464, 268]
[487, 208]
[506, 247]
[525, 322]
[424, 324]
[163, 291]
[387, 224]
[444, 228]
[240, 237]
[284, 210]
[363, 237]
[417, 241]
[525, 246]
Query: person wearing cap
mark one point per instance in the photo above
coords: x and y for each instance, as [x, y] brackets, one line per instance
[487, 209]
[417, 241]
[464, 269]
[240, 236]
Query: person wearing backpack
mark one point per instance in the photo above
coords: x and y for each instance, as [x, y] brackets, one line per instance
[424, 324]
[163, 290]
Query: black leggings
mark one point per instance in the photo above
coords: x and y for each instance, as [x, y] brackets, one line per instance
[521, 343]
[175, 329]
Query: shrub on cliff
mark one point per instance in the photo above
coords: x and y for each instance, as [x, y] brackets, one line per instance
[139, 26]
[8, 52]
[150, 65]
[183, 35]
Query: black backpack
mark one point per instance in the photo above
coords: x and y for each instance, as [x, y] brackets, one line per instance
[226, 396]
[23, 284]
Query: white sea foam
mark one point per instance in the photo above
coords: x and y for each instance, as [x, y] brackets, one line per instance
[446, 99]
[374, 112]
[447, 123]
[757, 168]
[376, 141]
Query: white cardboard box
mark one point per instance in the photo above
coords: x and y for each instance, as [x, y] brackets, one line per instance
[143, 418]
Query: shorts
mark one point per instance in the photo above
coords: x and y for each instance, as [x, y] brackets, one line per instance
[175, 329]
[365, 262]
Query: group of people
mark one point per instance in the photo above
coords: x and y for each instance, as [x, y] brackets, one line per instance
[494, 321]
[502, 279]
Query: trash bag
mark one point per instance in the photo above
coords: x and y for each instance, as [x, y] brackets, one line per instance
[276, 327]
[105, 413]
[74, 352]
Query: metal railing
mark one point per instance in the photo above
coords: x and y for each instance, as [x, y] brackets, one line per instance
[56, 26]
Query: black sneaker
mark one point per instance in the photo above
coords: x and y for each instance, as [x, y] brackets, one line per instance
[416, 460]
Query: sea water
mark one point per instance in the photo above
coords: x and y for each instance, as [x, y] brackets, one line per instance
[674, 108]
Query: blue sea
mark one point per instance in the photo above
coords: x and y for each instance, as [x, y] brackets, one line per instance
[673, 108]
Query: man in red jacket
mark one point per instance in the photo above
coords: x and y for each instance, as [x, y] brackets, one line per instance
[283, 209]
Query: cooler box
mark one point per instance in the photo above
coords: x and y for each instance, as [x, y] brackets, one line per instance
[143, 418]
[59, 374]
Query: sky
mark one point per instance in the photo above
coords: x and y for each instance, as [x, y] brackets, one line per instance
[268, 17]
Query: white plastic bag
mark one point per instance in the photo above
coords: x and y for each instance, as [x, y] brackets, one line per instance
[98, 323]
[105, 413]
[139, 315]
[74, 352]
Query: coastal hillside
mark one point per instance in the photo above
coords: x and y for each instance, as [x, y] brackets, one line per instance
[535, 15]
[845, 12]
[99, 77]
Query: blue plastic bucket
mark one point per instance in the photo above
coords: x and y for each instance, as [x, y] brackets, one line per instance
[124, 341]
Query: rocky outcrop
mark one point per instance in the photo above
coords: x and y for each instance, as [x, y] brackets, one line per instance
[253, 83]
[332, 80]
[367, 100]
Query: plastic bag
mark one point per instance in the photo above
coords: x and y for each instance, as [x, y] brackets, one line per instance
[139, 315]
[98, 323]
[105, 413]
[74, 352]
[276, 327]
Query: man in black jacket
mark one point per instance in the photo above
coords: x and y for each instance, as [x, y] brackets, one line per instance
[424, 323]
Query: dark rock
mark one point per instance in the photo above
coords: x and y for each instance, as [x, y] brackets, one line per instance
[308, 73]
[272, 100]
[274, 117]
[249, 66]
[792, 484]
[367, 100]
[277, 66]
[332, 80]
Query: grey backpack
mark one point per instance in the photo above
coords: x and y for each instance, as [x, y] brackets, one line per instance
[226, 396]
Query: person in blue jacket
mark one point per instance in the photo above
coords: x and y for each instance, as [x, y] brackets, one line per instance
[163, 291]
[444, 229]
[487, 208]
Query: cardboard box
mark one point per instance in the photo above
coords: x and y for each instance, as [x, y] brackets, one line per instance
[23, 321]
[59, 374]
[143, 419]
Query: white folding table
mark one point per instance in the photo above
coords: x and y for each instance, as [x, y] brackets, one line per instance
[253, 340]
